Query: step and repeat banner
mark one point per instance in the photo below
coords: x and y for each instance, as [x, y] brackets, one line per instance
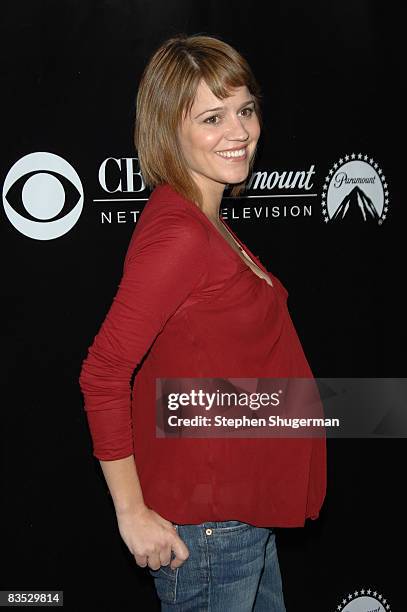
[324, 212]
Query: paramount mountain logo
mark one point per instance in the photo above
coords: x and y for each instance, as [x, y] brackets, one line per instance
[364, 600]
[355, 190]
[355, 204]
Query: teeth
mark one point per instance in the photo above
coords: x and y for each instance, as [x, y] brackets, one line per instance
[240, 153]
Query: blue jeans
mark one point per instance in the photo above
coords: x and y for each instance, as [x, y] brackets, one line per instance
[232, 567]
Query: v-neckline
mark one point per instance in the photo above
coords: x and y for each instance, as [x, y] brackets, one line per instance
[244, 247]
[246, 250]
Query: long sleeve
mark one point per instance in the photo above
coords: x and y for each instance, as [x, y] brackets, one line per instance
[165, 262]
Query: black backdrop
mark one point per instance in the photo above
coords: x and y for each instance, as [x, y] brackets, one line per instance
[331, 79]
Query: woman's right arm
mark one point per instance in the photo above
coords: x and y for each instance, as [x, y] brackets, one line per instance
[163, 265]
[124, 485]
[149, 537]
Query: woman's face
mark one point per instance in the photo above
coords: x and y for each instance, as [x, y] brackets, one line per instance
[205, 135]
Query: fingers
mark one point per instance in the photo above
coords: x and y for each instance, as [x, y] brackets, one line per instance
[151, 561]
[141, 560]
[181, 553]
[155, 560]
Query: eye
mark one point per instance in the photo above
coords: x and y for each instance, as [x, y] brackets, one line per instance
[209, 121]
[62, 196]
[249, 108]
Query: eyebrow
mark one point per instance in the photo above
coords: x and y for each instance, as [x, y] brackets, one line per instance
[210, 110]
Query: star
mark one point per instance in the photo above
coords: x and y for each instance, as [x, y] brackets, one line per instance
[365, 157]
[346, 157]
[335, 166]
[359, 155]
[341, 161]
[326, 219]
[371, 160]
[375, 165]
[353, 156]
[374, 594]
[369, 591]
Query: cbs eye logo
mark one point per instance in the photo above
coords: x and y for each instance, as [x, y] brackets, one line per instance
[46, 193]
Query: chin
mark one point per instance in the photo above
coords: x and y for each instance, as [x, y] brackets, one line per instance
[235, 183]
[235, 180]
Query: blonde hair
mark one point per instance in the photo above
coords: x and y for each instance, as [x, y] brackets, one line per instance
[167, 90]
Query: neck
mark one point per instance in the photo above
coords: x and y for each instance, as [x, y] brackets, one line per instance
[212, 197]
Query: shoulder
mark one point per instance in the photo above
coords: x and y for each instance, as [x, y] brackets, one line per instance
[170, 221]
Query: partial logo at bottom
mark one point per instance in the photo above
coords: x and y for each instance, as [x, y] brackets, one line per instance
[364, 600]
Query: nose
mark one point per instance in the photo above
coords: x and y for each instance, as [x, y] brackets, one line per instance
[236, 130]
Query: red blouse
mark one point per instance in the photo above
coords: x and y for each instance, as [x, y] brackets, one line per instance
[191, 307]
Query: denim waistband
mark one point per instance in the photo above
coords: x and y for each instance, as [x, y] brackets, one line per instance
[215, 524]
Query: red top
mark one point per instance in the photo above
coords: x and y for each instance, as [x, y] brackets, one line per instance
[192, 307]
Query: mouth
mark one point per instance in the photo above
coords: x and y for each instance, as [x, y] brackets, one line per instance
[233, 156]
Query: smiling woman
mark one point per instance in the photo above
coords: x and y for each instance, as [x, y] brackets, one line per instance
[199, 78]
[193, 303]
[218, 153]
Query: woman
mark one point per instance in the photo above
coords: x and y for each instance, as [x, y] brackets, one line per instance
[194, 301]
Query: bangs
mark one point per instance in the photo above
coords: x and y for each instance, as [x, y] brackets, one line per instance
[222, 76]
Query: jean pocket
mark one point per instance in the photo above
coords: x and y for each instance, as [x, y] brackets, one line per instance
[165, 582]
[164, 569]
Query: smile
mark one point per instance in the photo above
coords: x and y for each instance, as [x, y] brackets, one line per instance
[233, 155]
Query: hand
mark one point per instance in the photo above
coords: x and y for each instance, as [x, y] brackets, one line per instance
[151, 538]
